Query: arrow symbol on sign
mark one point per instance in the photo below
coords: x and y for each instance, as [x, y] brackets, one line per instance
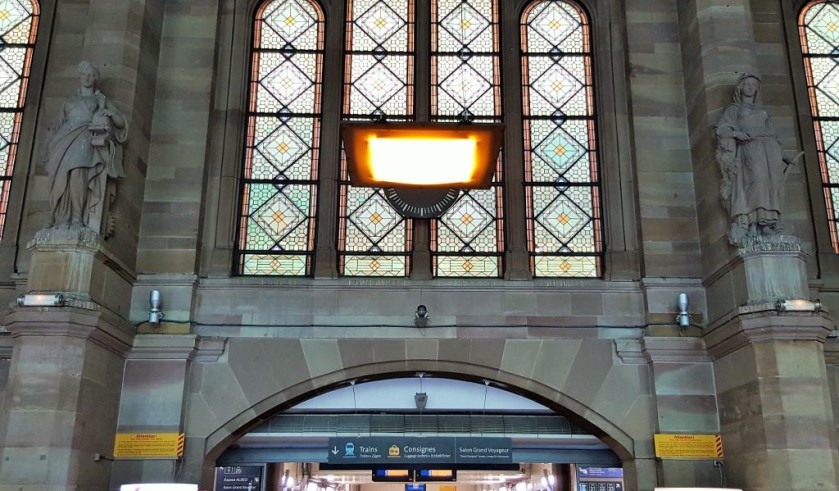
[335, 450]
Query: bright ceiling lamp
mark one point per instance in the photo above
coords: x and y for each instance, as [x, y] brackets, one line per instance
[422, 155]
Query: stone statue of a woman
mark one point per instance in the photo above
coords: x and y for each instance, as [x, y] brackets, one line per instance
[752, 163]
[83, 150]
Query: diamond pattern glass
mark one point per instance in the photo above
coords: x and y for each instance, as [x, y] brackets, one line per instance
[279, 181]
[562, 184]
[467, 240]
[373, 239]
[819, 32]
[18, 28]
[379, 61]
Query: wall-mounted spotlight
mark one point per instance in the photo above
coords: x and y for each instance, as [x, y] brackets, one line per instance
[41, 300]
[155, 314]
[683, 317]
[420, 398]
[421, 316]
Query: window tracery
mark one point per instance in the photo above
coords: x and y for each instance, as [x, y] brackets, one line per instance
[18, 29]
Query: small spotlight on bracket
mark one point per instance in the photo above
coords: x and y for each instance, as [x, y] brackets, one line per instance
[421, 316]
[683, 317]
[41, 300]
[155, 314]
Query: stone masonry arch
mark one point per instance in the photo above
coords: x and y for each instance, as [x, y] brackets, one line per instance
[257, 377]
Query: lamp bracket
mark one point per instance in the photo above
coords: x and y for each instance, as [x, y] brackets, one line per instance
[421, 202]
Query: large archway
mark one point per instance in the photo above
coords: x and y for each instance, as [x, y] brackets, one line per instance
[257, 378]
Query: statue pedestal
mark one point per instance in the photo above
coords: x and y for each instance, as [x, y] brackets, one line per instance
[765, 270]
[72, 261]
[771, 268]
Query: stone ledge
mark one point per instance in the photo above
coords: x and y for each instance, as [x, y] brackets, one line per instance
[674, 350]
[176, 347]
[101, 327]
[765, 326]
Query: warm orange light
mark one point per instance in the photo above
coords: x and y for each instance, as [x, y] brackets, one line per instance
[411, 155]
[422, 161]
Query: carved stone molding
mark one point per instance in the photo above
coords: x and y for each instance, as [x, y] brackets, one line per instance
[674, 350]
[176, 347]
[831, 351]
[630, 351]
[766, 326]
[101, 327]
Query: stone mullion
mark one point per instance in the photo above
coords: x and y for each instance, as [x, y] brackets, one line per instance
[421, 263]
[517, 259]
[326, 253]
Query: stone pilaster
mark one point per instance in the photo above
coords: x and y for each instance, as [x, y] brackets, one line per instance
[158, 364]
[776, 417]
[62, 397]
[685, 398]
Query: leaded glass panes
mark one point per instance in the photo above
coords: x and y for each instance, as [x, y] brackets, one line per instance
[467, 240]
[279, 183]
[562, 184]
[373, 239]
[379, 61]
[819, 31]
[18, 27]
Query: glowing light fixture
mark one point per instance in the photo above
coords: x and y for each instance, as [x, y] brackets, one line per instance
[798, 305]
[422, 155]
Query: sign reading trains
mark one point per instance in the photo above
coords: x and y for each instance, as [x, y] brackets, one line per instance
[688, 446]
[417, 450]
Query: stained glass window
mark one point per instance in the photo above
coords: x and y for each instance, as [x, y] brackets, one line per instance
[374, 239]
[467, 240]
[819, 31]
[562, 183]
[279, 185]
[18, 25]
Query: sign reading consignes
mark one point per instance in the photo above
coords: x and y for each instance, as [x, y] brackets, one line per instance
[148, 445]
[418, 451]
[688, 446]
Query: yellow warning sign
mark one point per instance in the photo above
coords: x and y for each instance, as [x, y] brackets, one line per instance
[148, 445]
[672, 446]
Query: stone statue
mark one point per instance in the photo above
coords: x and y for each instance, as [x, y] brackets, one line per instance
[753, 165]
[84, 149]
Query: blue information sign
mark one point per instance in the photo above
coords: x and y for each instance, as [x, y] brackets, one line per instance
[419, 450]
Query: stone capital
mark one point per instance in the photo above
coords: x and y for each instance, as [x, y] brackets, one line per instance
[100, 327]
[176, 347]
[766, 326]
[674, 350]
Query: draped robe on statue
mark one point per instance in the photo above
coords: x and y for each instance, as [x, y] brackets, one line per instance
[753, 170]
[76, 158]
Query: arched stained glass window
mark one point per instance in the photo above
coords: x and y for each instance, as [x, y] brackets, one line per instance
[562, 183]
[819, 31]
[467, 240]
[18, 28]
[374, 239]
[279, 184]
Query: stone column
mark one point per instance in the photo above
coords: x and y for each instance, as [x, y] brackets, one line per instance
[62, 397]
[65, 376]
[776, 417]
